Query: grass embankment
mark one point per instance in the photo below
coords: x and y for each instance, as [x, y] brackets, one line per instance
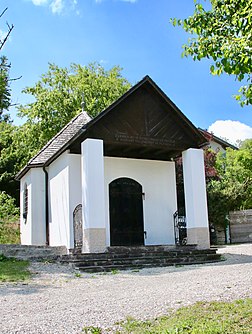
[13, 270]
[200, 318]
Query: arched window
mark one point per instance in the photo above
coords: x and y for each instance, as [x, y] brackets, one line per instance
[25, 202]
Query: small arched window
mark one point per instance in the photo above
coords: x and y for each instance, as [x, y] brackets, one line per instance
[25, 202]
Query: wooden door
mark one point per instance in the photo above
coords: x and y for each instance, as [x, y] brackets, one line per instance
[126, 213]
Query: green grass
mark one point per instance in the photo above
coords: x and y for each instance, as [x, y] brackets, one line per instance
[13, 270]
[92, 330]
[201, 318]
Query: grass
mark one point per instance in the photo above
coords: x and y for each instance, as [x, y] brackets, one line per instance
[9, 232]
[13, 270]
[92, 330]
[201, 318]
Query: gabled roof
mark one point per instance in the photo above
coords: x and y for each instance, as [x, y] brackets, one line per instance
[171, 126]
[56, 143]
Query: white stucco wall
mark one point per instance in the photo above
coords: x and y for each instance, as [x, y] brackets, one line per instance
[159, 185]
[64, 196]
[195, 188]
[75, 196]
[33, 229]
[25, 224]
[216, 147]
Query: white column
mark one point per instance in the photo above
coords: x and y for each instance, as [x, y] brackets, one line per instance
[195, 197]
[93, 197]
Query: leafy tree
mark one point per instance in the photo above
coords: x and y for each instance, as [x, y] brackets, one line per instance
[13, 155]
[59, 93]
[58, 96]
[232, 189]
[224, 35]
[5, 94]
[235, 172]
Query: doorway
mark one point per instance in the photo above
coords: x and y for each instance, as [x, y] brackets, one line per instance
[126, 213]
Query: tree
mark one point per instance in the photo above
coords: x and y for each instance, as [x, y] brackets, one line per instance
[59, 93]
[10, 28]
[235, 173]
[5, 94]
[232, 189]
[223, 34]
[58, 96]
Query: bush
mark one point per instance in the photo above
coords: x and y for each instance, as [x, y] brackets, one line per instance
[9, 216]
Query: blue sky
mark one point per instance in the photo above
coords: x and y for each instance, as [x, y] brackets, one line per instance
[135, 34]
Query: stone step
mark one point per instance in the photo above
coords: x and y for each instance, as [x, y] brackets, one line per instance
[131, 259]
[135, 266]
[143, 262]
[120, 253]
[123, 258]
[30, 252]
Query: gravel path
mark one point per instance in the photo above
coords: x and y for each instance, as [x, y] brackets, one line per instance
[57, 301]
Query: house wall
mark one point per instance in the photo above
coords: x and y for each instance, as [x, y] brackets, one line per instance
[33, 229]
[216, 147]
[58, 178]
[75, 195]
[64, 195]
[159, 185]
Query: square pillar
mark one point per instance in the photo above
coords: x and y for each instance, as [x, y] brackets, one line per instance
[195, 198]
[93, 197]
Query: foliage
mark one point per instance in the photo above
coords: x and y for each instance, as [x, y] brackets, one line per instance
[13, 270]
[5, 94]
[58, 97]
[9, 229]
[13, 155]
[59, 93]
[203, 317]
[235, 170]
[92, 330]
[224, 35]
[232, 189]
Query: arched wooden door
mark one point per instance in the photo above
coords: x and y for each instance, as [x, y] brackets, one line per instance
[126, 213]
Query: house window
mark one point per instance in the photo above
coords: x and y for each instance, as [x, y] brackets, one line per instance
[25, 203]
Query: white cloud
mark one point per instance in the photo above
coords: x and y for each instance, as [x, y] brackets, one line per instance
[39, 2]
[231, 130]
[57, 6]
[131, 1]
[2, 34]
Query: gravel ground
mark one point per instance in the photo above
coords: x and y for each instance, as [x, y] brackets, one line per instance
[57, 301]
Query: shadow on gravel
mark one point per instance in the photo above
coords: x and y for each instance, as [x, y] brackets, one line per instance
[40, 280]
[20, 288]
[227, 259]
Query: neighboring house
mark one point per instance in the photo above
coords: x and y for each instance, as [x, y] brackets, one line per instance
[215, 143]
[110, 181]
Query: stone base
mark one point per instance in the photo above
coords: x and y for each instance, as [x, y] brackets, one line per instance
[198, 236]
[94, 240]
